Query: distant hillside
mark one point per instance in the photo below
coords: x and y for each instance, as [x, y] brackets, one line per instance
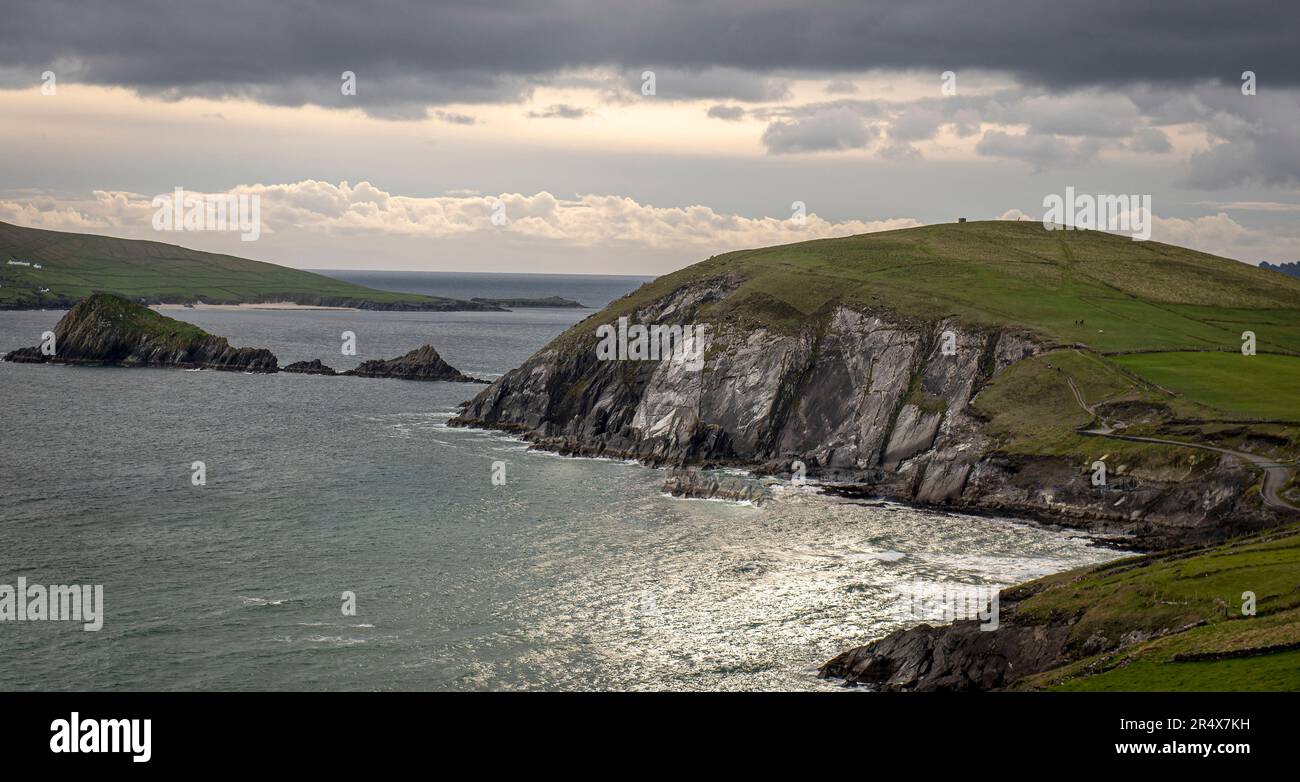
[1291, 269]
[72, 266]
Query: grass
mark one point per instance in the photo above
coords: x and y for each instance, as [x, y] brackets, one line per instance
[1270, 673]
[134, 319]
[1031, 408]
[1129, 295]
[77, 265]
[1184, 603]
[1262, 386]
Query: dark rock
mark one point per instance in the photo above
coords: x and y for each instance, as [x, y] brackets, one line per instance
[964, 655]
[701, 485]
[549, 301]
[423, 363]
[313, 367]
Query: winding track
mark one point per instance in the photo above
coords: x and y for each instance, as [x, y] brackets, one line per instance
[1275, 475]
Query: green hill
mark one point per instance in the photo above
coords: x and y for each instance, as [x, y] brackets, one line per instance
[74, 266]
[1129, 295]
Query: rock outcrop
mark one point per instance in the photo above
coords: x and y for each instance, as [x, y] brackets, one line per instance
[423, 363]
[701, 485]
[107, 329]
[313, 367]
[964, 655]
[548, 301]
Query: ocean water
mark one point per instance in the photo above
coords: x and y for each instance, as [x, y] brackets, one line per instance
[591, 290]
[577, 574]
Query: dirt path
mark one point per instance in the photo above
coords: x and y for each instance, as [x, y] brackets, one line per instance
[1275, 475]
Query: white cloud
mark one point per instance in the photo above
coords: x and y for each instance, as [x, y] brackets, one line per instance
[317, 207]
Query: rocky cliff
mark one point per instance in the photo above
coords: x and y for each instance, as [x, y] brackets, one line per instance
[968, 654]
[857, 395]
[107, 329]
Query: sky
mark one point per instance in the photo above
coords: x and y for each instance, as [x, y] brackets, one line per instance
[615, 137]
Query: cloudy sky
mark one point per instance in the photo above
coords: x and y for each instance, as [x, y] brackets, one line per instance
[539, 110]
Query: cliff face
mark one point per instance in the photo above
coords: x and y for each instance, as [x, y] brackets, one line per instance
[105, 329]
[858, 396]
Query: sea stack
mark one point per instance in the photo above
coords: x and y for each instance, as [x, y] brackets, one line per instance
[423, 363]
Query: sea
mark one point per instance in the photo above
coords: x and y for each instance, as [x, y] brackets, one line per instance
[324, 494]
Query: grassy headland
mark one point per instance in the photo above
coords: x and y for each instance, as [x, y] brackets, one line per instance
[73, 266]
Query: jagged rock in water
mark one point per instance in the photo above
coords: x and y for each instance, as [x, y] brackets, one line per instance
[701, 485]
[108, 329]
[313, 367]
[423, 363]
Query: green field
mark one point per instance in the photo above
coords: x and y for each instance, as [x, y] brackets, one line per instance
[77, 265]
[1189, 604]
[1262, 386]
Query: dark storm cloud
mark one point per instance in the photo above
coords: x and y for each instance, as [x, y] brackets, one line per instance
[831, 128]
[1040, 151]
[413, 54]
[726, 112]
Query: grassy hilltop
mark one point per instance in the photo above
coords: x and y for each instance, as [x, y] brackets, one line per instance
[76, 265]
[1130, 295]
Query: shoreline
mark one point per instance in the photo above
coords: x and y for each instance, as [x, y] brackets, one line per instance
[842, 670]
[269, 305]
[1101, 529]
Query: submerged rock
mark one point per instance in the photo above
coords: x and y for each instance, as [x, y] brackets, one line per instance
[701, 485]
[423, 363]
[108, 329]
